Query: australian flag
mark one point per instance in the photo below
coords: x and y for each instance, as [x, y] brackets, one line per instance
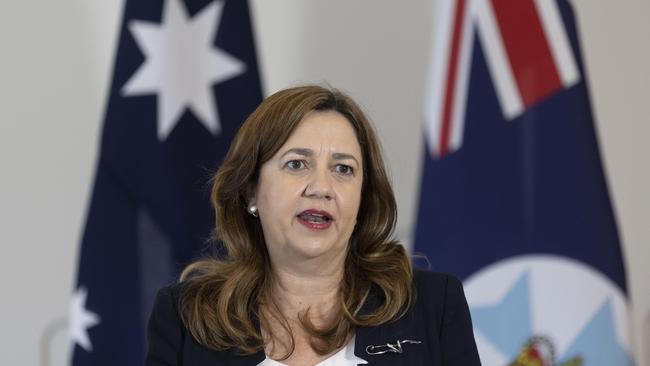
[513, 198]
[184, 79]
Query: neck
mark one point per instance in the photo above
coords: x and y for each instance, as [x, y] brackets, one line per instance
[298, 288]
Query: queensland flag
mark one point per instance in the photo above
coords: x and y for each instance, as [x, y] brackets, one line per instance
[184, 79]
[513, 198]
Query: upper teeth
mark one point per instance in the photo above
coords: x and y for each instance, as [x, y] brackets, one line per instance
[314, 217]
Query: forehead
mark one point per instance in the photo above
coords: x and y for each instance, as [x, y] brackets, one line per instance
[329, 131]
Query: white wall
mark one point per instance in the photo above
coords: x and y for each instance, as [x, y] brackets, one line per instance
[55, 60]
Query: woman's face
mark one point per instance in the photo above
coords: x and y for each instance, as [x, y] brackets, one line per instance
[308, 194]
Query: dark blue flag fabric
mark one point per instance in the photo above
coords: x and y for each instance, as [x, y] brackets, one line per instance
[513, 196]
[185, 77]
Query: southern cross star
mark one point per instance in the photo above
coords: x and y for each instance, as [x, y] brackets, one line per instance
[181, 65]
[81, 319]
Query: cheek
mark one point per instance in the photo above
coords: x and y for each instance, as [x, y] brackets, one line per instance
[351, 204]
[273, 215]
[274, 201]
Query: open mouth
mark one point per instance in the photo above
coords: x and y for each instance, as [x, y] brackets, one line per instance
[315, 218]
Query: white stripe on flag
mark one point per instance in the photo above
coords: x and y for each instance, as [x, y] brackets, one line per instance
[497, 61]
[558, 41]
[438, 75]
[462, 79]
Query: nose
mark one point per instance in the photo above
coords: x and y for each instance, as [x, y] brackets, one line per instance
[319, 185]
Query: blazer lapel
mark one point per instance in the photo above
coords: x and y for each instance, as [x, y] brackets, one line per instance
[389, 337]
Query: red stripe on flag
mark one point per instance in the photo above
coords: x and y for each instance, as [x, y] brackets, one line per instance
[452, 73]
[527, 48]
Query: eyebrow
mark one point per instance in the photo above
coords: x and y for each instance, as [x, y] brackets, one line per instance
[309, 153]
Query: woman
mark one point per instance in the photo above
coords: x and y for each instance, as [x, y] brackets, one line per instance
[312, 275]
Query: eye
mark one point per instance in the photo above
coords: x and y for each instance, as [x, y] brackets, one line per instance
[344, 169]
[296, 164]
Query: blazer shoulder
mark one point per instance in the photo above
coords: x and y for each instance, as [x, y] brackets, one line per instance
[437, 284]
[431, 277]
[165, 330]
[443, 297]
[167, 304]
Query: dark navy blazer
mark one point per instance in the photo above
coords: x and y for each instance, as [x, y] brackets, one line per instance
[439, 319]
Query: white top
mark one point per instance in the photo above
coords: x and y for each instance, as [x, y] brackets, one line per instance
[344, 357]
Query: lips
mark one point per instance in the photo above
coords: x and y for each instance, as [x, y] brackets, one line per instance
[315, 219]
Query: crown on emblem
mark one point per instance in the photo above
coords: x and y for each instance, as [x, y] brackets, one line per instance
[539, 351]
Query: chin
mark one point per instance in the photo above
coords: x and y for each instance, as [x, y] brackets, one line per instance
[317, 249]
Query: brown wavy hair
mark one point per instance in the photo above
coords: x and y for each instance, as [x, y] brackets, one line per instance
[221, 296]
